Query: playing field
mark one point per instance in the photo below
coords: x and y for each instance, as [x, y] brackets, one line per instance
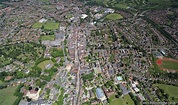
[51, 26]
[43, 64]
[167, 64]
[7, 97]
[171, 90]
[114, 16]
[126, 100]
[48, 37]
[170, 65]
[37, 25]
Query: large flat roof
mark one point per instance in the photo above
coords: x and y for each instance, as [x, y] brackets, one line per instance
[99, 93]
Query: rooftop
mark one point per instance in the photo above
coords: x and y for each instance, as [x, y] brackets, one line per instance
[99, 93]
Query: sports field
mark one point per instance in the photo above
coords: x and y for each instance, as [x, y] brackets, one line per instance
[43, 64]
[48, 37]
[171, 90]
[51, 26]
[37, 25]
[114, 16]
[7, 97]
[167, 64]
[126, 100]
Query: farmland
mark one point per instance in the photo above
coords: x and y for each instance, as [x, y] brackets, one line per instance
[7, 97]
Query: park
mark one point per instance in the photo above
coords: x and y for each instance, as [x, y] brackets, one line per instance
[114, 16]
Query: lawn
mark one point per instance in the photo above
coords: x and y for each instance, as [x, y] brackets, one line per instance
[170, 65]
[51, 26]
[43, 64]
[123, 6]
[126, 100]
[171, 90]
[43, 0]
[1, 82]
[37, 25]
[7, 97]
[114, 16]
[48, 37]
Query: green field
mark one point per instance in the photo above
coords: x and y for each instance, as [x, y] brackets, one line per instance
[123, 6]
[170, 65]
[46, 26]
[114, 16]
[48, 37]
[7, 97]
[126, 100]
[51, 26]
[1, 82]
[37, 25]
[171, 90]
[44, 63]
[43, 0]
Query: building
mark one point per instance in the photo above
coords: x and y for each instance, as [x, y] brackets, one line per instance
[100, 94]
[141, 97]
[33, 94]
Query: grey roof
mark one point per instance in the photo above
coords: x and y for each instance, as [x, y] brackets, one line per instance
[99, 93]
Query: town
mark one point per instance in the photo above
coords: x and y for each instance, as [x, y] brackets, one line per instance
[88, 52]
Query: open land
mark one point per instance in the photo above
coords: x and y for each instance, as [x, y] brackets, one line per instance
[44, 63]
[7, 97]
[125, 100]
[171, 90]
[114, 16]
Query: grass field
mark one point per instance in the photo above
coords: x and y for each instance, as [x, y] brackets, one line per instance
[7, 97]
[114, 16]
[43, 0]
[37, 25]
[51, 26]
[126, 100]
[170, 65]
[171, 90]
[43, 64]
[1, 82]
[123, 6]
[47, 26]
[48, 37]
